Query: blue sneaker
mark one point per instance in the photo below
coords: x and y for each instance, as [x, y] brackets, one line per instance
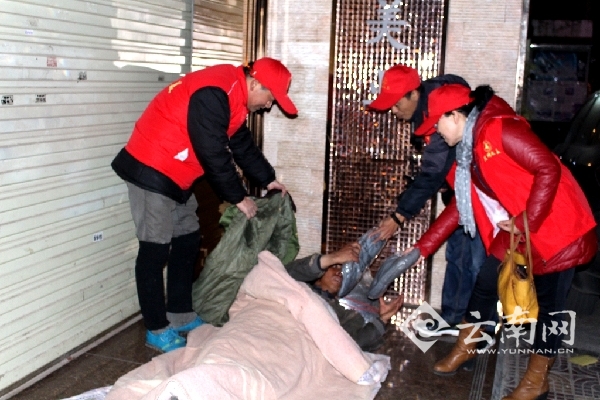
[164, 342]
[189, 326]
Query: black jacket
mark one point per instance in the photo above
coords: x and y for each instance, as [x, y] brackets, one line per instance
[437, 157]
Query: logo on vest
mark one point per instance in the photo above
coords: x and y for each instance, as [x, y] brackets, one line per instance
[489, 150]
[174, 85]
[182, 155]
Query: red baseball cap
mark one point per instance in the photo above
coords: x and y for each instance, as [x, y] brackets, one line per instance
[396, 82]
[273, 75]
[442, 100]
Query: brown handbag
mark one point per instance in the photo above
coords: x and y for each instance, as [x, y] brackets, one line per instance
[516, 289]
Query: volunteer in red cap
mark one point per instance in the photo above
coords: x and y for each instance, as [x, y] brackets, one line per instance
[504, 174]
[407, 97]
[403, 92]
[195, 127]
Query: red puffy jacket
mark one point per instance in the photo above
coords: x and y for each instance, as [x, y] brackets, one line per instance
[512, 166]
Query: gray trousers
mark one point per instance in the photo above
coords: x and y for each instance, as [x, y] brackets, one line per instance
[168, 233]
[158, 218]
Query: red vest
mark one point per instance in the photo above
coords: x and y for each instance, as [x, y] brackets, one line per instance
[570, 217]
[160, 137]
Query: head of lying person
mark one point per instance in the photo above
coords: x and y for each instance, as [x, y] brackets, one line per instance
[331, 281]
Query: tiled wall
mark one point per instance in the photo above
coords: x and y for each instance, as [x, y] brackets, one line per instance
[483, 43]
[299, 34]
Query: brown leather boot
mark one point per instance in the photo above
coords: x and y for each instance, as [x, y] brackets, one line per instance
[461, 353]
[534, 385]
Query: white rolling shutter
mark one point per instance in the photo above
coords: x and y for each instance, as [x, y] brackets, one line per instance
[74, 77]
[218, 34]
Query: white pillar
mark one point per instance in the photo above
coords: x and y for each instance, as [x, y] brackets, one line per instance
[299, 34]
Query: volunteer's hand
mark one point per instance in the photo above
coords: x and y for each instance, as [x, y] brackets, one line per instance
[408, 250]
[505, 226]
[248, 207]
[277, 185]
[386, 229]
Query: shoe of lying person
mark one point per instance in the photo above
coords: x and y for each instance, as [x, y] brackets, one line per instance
[352, 272]
[392, 267]
[164, 342]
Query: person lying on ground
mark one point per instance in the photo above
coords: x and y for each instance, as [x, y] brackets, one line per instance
[323, 274]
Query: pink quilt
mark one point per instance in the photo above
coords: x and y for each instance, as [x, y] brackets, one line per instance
[282, 342]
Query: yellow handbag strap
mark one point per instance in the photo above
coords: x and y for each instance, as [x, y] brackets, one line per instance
[513, 242]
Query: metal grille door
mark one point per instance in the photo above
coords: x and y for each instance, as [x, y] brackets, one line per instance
[370, 153]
